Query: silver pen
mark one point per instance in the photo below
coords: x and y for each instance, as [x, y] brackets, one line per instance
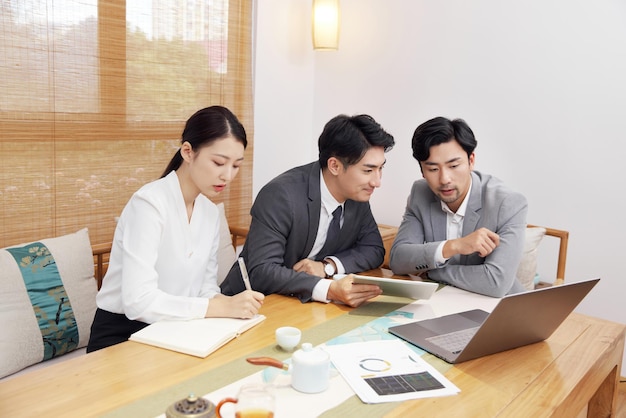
[244, 273]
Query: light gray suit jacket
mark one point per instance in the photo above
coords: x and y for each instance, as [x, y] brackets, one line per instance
[285, 219]
[492, 205]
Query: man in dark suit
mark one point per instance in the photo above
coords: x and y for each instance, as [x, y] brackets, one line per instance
[287, 250]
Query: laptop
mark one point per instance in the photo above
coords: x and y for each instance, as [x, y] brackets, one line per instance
[518, 319]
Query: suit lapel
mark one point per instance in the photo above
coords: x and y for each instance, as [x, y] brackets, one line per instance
[314, 206]
[474, 206]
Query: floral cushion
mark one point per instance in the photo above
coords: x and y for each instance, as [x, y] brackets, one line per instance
[48, 296]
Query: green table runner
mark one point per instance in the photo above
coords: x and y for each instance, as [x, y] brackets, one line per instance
[156, 404]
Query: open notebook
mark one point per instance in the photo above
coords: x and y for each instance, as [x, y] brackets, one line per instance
[197, 337]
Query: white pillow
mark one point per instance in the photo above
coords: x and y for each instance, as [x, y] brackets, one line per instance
[226, 256]
[528, 266]
[60, 284]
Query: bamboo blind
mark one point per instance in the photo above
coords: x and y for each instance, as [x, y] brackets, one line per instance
[94, 97]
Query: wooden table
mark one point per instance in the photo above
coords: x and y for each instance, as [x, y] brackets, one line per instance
[578, 366]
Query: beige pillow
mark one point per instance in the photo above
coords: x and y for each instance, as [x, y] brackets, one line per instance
[528, 266]
[226, 255]
[48, 294]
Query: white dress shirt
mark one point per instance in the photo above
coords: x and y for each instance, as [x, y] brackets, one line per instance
[454, 226]
[329, 204]
[162, 265]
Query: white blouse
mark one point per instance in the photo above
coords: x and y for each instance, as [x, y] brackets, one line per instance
[162, 266]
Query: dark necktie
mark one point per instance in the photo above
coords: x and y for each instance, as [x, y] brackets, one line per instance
[335, 226]
[332, 235]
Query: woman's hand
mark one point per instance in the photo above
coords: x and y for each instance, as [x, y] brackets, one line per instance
[243, 305]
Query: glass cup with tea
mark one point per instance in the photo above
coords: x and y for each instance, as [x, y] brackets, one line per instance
[253, 401]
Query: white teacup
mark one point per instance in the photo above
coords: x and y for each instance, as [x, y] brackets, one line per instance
[288, 337]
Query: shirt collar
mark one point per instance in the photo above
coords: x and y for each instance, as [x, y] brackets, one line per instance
[328, 201]
[460, 213]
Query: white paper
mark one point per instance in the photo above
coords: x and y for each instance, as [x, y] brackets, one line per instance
[450, 300]
[398, 372]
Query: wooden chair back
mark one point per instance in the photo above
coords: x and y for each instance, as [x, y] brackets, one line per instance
[563, 236]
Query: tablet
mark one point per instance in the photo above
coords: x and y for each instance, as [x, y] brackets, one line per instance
[398, 287]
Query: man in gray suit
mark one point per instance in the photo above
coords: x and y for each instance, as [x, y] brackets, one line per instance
[460, 227]
[287, 250]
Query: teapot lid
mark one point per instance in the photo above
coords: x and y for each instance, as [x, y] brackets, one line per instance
[191, 407]
[310, 354]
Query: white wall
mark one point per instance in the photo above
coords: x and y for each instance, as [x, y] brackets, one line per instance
[542, 84]
[283, 73]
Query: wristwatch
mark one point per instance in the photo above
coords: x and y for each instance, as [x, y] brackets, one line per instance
[329, 268]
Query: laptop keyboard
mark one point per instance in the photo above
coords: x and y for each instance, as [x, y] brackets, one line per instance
[455, 341]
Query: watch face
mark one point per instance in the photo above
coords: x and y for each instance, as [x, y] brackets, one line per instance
[329, 269]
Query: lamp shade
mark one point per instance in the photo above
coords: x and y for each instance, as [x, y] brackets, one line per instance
[325, 24]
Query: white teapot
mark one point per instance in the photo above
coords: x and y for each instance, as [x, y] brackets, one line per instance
[310, 368]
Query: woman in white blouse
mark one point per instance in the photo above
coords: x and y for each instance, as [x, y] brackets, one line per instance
[163, 262]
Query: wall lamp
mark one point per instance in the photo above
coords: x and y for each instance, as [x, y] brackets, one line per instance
[325, 25]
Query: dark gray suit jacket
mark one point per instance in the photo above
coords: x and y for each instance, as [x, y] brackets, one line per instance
[285, 219]
[492, 205]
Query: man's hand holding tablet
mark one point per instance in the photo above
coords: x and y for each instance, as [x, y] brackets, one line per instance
[396, 287]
